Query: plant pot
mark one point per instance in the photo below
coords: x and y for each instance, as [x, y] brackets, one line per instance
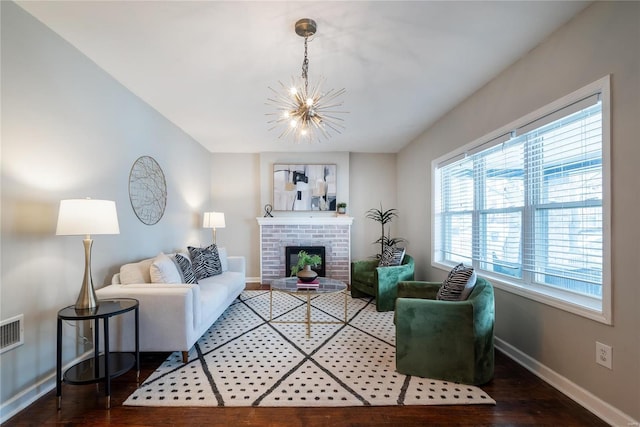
[307, 274]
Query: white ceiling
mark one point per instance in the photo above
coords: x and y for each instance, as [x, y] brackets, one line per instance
[207, 65]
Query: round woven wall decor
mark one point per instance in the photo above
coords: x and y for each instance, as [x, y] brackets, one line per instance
[147, 190]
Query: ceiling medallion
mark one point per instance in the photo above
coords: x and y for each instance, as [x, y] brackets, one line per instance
[306, 114]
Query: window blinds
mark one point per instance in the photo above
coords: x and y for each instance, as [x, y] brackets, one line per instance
[528, 204]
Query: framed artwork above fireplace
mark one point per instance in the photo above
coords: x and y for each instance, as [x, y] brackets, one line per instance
[304, 187]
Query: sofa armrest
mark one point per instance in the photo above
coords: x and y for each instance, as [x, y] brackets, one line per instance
[237, 264]
[418, 289]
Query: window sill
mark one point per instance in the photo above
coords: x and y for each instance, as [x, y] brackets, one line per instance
[589, 308]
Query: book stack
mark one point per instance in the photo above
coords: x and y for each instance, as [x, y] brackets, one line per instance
[314, 284]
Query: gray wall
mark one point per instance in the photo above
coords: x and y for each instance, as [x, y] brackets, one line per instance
[70, 131]
[373, 182]
[601, 40]
[235, 187]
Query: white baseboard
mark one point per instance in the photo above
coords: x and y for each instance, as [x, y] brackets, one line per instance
[25, 398]
[594, 404]
[20, 401]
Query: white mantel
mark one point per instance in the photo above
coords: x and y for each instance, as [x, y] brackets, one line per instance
[332, 232]
[316, 220]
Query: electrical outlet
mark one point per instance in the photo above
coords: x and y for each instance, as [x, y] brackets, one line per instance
[604, 355]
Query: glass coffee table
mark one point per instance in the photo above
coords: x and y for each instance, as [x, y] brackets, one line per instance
[289, 285]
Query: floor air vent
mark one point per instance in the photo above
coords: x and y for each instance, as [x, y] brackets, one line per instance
[11, 333]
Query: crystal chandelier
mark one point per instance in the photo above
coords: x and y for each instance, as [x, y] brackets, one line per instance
[305, 114]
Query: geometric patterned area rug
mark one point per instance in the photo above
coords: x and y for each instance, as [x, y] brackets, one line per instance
[244, 360]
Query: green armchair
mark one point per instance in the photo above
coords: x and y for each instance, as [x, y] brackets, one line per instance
[367, 279]
[445, 340]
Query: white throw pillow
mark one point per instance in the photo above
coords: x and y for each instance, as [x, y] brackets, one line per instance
[136, 272]
[163, 270]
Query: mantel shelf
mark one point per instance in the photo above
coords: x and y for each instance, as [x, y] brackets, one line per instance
[298, 220]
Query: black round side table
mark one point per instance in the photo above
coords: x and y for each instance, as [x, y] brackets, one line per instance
[101, 367]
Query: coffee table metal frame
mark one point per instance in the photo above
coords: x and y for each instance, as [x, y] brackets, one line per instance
[289, 285]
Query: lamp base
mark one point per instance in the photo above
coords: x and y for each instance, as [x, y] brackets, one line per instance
[87, 298]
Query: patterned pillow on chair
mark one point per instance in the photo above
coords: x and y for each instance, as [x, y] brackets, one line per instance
[391, 256]
[458, 284]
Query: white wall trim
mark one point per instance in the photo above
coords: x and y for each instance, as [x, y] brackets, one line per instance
[594, 404]
[29, 395]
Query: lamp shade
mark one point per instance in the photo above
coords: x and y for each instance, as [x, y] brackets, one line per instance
[213, 220]
[87, 216]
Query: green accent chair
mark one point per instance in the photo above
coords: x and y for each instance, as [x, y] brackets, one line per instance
[445, 340]
[367, 279]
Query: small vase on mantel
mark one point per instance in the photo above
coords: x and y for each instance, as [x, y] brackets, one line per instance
[307, 274]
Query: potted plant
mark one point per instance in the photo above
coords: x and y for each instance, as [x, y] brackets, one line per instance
[302, 269]
[384, 217]
[342, 208]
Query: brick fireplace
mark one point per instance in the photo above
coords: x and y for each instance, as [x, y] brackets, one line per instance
[333, 233]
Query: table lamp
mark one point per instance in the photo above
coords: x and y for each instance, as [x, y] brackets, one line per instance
[213, 220]
[87, 217]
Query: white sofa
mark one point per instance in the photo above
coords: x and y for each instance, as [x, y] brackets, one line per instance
[173, 316]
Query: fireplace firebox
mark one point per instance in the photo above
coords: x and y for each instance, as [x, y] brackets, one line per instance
[291, 258]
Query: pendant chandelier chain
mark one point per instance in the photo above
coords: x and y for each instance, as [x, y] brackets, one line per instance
[305, 68]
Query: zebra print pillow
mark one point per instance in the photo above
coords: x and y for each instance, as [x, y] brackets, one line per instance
[391, 256]
[205, 261]
[458, 284]
[186, 269]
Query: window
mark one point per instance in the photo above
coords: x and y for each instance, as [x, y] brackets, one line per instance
[528, 208]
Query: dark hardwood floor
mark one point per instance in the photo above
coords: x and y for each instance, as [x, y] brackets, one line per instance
[522, 399]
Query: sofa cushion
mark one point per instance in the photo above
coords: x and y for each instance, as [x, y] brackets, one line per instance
[458, 284]
[391, 256]
[164, 270]
[205, 261]
[136, 272]
[183, 261]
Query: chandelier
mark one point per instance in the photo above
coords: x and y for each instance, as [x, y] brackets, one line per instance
[305, 114]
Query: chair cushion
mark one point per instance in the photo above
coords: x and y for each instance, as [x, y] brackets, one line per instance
[205, 261]
[458, 284]
[391, 256]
